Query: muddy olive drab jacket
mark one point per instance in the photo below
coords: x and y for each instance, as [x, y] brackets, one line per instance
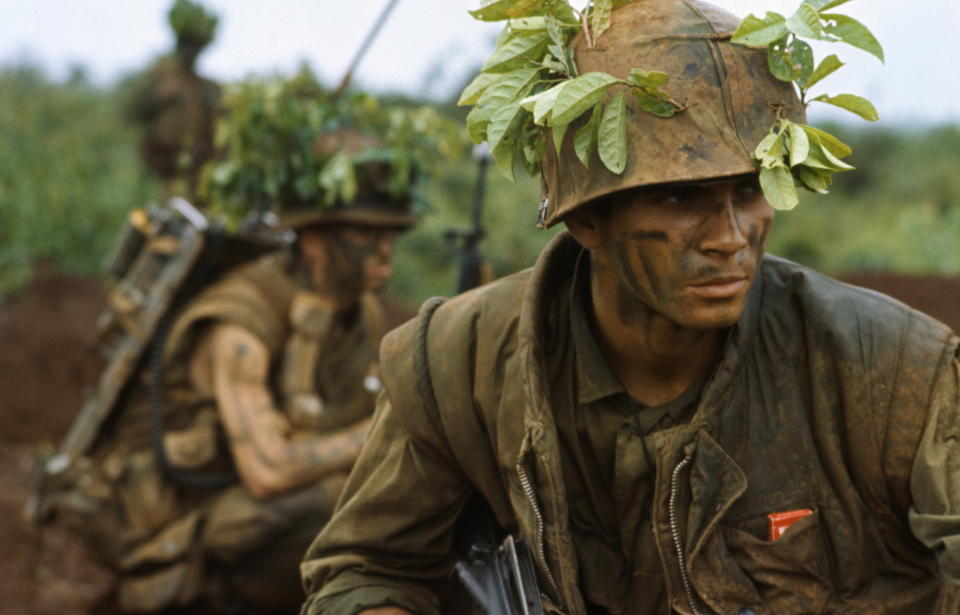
[820, 401]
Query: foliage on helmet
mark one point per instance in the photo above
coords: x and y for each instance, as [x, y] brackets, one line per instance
[191, 22]
[794, 156]
[530, 84]
[269, 134]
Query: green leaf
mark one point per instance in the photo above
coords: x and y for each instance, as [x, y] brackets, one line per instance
[515, 53]
[554, 31]
[643, 79]
[496, 11]
[525, 8]
[471, 94]
[781, 65]
[579, 95]
[564, 13]
[799, 144]
[755, 32]
[805, 22]
[558, 132]
[507, 87]
[506, 123]
[766, 144]
[528, 24]
[600, 17]
[801, 56]
[820, 157]
[585, 141]
[338, 179]
[852, 32]
[853, 104]
[777, 184]
[477, 122]
[505, 157]
[505, 35]
[823, 5]
[531, 148]
[542, 104]
[829, 142]
[829, 65]
[613, 134]
[812, 180]
[654, 104]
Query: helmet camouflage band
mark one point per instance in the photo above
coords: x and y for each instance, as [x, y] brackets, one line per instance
[313, 158]
[660, 91]
[732, 101]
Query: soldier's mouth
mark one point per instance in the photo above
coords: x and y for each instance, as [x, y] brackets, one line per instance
[720, 288]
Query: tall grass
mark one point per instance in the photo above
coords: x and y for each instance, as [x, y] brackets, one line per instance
[69, 172]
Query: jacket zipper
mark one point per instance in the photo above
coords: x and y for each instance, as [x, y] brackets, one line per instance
[675, 530]
[541, 553]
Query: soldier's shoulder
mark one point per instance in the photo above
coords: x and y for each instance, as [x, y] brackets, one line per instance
[830, 303]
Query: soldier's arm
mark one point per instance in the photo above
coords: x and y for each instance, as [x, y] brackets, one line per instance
[268, 461]
[935, 481]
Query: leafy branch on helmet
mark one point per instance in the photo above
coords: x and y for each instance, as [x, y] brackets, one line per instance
[794, 156]
[273, 151]
[531, 83]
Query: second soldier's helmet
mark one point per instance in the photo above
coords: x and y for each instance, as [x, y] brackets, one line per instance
[732, 100]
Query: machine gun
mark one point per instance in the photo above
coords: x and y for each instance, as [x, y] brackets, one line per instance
[471, 261]
[496, 569]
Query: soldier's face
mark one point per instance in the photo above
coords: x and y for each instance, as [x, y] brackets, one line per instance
[688, 252]
[349, 259]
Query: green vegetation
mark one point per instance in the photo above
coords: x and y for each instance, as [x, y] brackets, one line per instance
[70, 171]
[900, 210]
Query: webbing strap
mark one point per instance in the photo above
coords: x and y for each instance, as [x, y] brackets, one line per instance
[420, 365]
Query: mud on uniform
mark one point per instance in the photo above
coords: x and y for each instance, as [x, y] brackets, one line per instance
[826, 397]
[170, 543]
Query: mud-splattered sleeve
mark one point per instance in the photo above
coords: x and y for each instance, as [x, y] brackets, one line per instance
[389, 541]
[935, 480]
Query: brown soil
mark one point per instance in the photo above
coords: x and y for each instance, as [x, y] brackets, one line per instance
[46, 367]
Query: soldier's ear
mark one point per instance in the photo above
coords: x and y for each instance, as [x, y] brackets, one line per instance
[584, 225]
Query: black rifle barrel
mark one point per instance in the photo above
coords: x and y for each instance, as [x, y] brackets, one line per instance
[364, 46]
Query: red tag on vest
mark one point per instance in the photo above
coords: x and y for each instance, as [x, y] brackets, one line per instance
[779, 522]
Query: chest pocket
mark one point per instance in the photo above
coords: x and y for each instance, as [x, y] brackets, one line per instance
[733, 564]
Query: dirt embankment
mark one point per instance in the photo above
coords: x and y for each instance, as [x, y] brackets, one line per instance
[46, 367]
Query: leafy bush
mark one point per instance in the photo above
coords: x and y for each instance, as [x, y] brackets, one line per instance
[69, 173]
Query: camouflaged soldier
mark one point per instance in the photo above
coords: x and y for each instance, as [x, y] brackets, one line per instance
[270, 372]
[656, 400]
[177, 107]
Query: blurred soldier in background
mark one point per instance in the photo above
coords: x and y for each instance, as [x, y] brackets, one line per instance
[270, 373]
[177, 107]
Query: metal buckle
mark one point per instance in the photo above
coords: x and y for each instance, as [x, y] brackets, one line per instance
[542, 214]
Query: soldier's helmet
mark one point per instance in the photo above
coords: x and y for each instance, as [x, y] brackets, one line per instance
[732, 96]
[193, 25]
